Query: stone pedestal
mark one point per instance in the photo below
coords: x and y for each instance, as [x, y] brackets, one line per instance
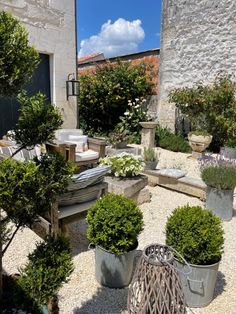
[148, 134]
[133, 188]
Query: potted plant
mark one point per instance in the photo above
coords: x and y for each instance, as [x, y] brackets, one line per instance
[199, 141]
[197, 235]
[229, 149]
[123, 165]
[114, 223]
[150, 158]
[118, 139]
[220, 178]
[48, 267]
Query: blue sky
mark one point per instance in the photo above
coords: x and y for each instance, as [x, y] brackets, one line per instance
[117, 27]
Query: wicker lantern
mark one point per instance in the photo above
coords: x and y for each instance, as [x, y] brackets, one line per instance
[155, 287]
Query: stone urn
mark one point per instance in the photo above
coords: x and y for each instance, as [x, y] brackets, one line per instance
[199, 143]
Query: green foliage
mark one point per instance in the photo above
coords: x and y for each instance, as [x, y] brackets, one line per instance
[38, 120]
[17, 58]
[219, 173]
[149, 154]
[28, 189]
[210, 108]
[230, 143]
[130, 122]
[104, 94]
[196, 234]
[123, 165]
[48, 267]
[174, 142]
[198, 133]
[114, 223]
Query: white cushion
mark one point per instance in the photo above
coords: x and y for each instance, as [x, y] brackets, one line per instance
[86, 156]
[63, 134]
[80, 146]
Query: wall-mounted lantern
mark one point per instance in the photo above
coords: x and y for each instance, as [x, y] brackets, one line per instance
[72, 86]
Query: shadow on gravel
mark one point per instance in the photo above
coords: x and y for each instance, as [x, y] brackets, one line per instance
[220, 284]
[105, 301]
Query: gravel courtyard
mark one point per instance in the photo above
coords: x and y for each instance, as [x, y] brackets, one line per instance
[83, 295]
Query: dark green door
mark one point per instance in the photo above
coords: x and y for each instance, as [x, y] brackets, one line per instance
[40, 82]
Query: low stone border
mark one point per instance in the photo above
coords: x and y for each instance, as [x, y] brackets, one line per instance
[178, 181]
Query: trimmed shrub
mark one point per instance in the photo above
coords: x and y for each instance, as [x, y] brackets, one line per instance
[49, 266]
[196, 234]
[114, 223]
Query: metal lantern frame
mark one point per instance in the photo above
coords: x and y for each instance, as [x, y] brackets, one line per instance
[72, 86]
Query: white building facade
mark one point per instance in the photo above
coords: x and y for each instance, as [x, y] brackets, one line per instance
[51, 25]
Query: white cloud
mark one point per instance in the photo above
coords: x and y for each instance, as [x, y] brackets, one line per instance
[118, 38]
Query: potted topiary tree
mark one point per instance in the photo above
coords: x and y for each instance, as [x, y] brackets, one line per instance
[49, 265]
[150, 158]
[220, 178]
[197, 235]
[114, 224]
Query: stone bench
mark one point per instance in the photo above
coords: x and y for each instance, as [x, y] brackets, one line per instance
[177, 180]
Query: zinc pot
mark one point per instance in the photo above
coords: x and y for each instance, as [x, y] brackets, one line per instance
[114, 271]
[120, 145]
[229, 152]
[199, 285]
[44, 309]
[150, 165]
[220, 202]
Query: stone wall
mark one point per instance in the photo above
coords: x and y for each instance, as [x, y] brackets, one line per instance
[51, 27]
[198, 40]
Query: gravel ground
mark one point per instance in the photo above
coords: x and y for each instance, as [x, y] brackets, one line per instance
[83, 295]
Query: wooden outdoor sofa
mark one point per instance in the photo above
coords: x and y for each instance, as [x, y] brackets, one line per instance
[82, 193]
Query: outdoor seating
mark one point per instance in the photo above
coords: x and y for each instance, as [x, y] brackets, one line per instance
[77, 147]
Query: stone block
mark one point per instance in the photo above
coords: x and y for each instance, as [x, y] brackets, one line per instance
[126, 186]
[142, 196]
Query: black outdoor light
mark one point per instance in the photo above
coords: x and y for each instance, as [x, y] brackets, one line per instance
[72, 86]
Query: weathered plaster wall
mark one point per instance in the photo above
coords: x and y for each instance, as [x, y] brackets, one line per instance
[198, 40]
[51, 27]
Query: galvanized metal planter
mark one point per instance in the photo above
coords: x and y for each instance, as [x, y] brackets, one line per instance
[220, 202]
[156, 287]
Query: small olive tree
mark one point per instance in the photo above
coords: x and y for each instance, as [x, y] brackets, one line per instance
[210, 107]
[18, 59]
[104, 94]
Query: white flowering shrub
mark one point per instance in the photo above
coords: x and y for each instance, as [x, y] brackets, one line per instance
[136, 113]
[124, 165]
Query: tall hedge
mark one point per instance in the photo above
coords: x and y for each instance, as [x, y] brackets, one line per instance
[104, 93]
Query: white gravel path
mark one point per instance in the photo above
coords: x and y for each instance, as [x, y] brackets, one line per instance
[83, 295]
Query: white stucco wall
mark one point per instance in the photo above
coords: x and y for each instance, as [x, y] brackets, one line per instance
[198, 40]
[51, 27]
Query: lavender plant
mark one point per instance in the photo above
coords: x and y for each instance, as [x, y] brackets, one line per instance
[218, 173]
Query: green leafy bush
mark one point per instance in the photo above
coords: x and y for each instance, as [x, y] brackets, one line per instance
[114, 223]
[17, 58]
[104, 94]
[218, 173]
[196, 234]
[49, 266]
[210, 108]
[130, 121]
[175, 143]
[167, 140]
[149, 154]
[123, 165]
[37, 122]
